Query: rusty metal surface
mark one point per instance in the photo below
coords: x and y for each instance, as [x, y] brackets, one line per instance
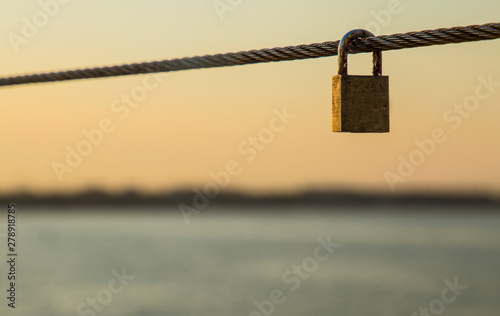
[344, 50]
[360, 104]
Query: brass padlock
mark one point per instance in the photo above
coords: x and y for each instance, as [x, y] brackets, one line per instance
[360, 103]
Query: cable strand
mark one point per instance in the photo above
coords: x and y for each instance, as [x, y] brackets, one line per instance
[383, 43]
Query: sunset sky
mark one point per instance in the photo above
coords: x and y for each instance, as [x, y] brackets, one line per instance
[191, 125]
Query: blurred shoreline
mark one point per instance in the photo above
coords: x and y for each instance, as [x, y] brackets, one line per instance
[196, 198]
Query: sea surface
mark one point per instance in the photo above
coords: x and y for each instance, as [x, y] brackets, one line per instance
[257, 262]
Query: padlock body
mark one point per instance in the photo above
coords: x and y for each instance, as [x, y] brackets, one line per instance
[360, 104]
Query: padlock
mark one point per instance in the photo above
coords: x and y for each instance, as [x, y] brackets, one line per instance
[360, 103]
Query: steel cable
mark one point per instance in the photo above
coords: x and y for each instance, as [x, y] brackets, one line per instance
[383, 43]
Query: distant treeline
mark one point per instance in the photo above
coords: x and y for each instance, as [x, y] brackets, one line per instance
[196, 198]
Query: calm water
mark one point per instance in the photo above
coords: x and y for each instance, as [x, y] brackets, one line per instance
[387, 264]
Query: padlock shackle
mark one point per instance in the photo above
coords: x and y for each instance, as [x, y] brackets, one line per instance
[344, 50]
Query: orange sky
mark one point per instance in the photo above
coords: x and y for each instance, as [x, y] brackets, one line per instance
[185, 127]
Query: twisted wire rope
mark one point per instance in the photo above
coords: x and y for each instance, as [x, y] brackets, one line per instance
[440, 36]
